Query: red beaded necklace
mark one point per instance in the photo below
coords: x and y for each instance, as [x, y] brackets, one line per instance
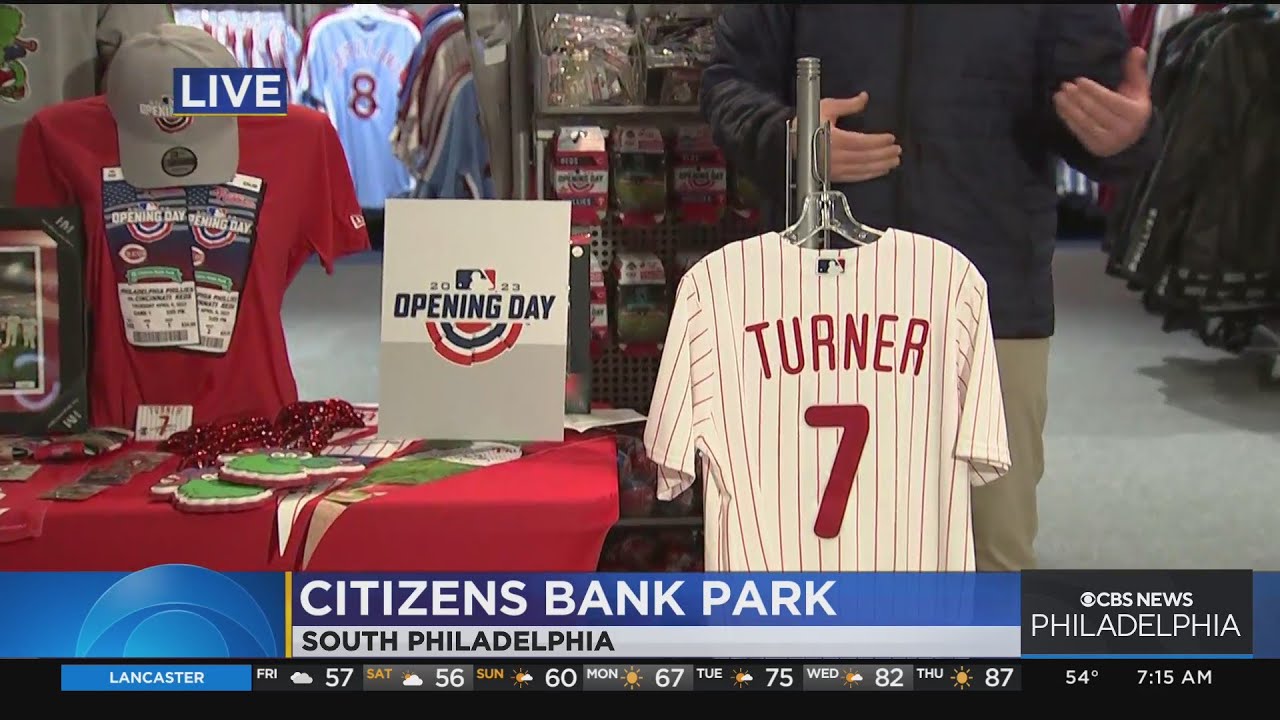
[302, 425]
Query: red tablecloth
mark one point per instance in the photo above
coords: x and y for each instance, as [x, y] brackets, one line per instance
[549, 511]
[123, 529]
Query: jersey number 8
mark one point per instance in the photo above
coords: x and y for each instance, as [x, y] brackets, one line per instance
[363, 103]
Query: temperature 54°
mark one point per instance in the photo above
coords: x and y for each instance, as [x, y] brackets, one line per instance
[1081, 677]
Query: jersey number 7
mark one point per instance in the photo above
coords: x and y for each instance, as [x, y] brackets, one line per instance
[855, 422]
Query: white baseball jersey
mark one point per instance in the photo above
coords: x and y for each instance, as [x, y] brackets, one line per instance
[842, 403]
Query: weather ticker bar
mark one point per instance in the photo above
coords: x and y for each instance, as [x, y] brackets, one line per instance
[850, 676]
[1080, 675]
[978, 675]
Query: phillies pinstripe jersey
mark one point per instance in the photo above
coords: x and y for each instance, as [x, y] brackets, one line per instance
[841, 404]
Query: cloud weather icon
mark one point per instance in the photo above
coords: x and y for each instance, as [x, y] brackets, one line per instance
[300, 678]
[411, 680]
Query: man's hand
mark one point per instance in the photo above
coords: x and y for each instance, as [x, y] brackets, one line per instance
[1107, 121]
[856, 157]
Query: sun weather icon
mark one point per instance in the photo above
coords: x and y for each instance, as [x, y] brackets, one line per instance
[741, 678]
[631, 678]
[852, 678]
[962, 678]
[523, 678]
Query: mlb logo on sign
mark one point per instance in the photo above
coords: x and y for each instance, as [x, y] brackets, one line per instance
[229, 91]
[486, 279]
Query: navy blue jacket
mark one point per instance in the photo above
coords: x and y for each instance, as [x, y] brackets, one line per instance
[967, 90]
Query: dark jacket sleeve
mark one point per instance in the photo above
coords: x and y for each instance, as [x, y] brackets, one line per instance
[747, 91]
[1078, 40]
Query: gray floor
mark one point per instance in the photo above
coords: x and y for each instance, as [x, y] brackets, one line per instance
[1161, 453]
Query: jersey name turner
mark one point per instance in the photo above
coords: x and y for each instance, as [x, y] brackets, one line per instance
[823, 343]
[839, 420]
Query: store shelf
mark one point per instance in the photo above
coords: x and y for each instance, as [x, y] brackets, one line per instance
[659, 522]
[614, 110]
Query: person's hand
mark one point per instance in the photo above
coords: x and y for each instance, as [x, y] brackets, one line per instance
[855, 156]
[1108, 121]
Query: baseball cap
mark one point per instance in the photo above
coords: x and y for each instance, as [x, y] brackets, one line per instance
[156, 148]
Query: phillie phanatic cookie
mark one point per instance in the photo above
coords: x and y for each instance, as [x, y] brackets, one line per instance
[208, 494]
[169, 484]
[284, 468]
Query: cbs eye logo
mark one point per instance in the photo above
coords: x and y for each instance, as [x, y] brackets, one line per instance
[176, 611]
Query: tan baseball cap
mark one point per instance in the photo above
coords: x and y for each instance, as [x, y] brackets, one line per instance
[156, 148]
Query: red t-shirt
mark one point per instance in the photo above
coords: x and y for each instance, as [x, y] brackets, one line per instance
[307, 204]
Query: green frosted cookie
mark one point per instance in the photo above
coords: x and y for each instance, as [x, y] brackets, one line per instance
[283, 468]
[209, 494]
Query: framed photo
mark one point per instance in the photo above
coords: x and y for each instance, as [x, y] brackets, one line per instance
[43, 341]
[22, 346]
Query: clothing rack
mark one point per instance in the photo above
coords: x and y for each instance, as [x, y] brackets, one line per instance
[807, 135]
[296, 14]
[810, 178]
[241, 7]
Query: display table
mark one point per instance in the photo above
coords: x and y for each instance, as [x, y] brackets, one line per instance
[548, 511]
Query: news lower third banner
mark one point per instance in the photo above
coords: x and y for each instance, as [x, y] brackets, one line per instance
[182, 611]
[657, 616]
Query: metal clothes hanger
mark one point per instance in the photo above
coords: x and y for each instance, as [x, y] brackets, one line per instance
[826, 211]
[822, 210]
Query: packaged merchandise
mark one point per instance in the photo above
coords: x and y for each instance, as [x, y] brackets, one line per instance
[744, 197]
[637, 479]
[683, 505]
[599, 309]
[700, 180]
[653, 550]
[590, 61]
[641, 309]
[580, 174]
[639, 176]
[636, 552]
[678, 551]
[676, 50]
[94, 442]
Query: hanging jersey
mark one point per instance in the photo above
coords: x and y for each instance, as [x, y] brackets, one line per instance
[459, 166]
[352, 60]
[841, 404]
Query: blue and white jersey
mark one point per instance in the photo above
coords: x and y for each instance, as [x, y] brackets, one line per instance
[458, 168]
[352, 63]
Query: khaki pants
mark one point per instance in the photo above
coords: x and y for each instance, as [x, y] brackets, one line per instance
[1004, 512]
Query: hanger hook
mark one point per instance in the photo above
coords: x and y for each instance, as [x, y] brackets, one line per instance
[815, 158]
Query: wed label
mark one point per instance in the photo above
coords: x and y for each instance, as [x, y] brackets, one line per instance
[224, 221]
[150, 248]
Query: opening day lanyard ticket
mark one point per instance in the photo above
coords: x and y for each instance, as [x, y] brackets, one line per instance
[150, 247]
[223, 220]
[181, 258]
